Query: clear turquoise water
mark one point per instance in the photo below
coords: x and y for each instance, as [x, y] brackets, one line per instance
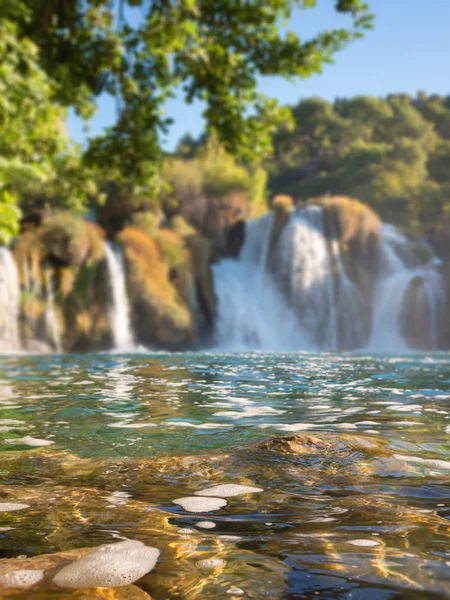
[140, 405]
[294, 540]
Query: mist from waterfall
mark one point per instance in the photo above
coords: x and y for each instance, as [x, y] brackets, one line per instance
[9, 303]
[120, 311]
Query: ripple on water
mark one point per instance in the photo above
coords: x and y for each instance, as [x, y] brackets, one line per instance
[221, 406]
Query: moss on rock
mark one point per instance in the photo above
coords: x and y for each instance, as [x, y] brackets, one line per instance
[161, 315]
[68, 254]
[201, 256]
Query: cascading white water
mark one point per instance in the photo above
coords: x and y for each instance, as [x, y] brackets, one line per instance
[311, 269]
[304, 264]
[397, 274]
[305, 298]
[252, 313]
[304, 301]
[120, 312]
[51, 322]
[9, 302]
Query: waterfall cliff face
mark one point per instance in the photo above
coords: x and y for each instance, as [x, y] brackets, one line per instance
[120, 312]
[305, 297]
[9, 303]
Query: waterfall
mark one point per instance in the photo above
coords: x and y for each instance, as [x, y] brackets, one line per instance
[304, 300]
[399, 271]
[292, 291]
[304, 265]
[120, 313]
[311, 270]
[9, 302]
[252, 313]
[51, 322]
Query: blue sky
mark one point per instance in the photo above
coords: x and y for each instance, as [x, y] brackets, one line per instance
[408, 50]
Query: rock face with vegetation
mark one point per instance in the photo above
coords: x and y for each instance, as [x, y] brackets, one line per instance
[63, 283]
[65, 291]
[212, 191]
[160, 287]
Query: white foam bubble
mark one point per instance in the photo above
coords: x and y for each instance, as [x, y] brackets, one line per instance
[110, 566]
[249, 411]
[200, 425]
[291, 426]
[364, 543]
[185, 530]
[200, 504]
[10, 506]
[228, 490]
[429, 462]
[118, 498]
[125, 425]
[23, 578]
[29, 441]
[211, 563]
[206, 524]
[405, 407]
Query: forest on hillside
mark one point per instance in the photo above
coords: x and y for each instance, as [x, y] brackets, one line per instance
[391, 153]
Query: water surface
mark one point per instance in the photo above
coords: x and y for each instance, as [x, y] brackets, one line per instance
[114, 419]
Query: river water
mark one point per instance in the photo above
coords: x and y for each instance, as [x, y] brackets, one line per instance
[356, 506]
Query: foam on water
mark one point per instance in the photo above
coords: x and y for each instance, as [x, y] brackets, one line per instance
[23, 578]
[228, 490]
[110, 566]
[206, 524]
[364, 543]
[211, 563]
[200, 504]
[29, 441]
[11, 506]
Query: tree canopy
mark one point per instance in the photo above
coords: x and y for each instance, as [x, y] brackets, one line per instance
[58, 54]
[392, 153]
